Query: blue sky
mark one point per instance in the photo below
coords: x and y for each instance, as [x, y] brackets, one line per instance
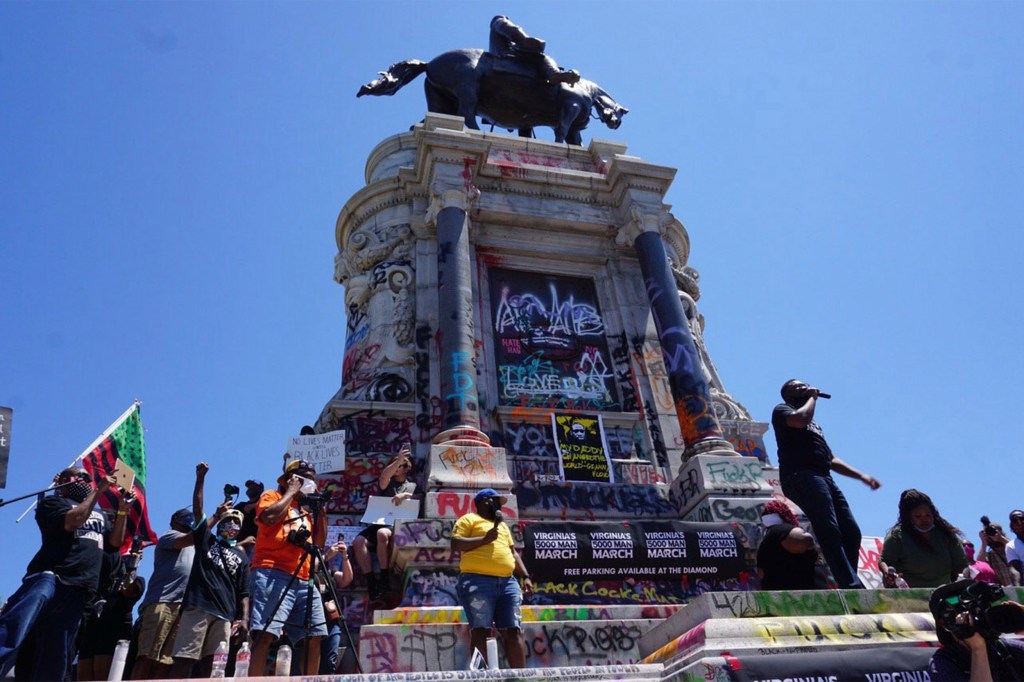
[170, 176]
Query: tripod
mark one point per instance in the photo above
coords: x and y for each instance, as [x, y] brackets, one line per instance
[317, 568]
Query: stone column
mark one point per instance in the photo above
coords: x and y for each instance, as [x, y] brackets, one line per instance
[456, 333]
[690, 392]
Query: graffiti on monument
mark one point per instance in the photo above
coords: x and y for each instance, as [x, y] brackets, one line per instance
[549, 342]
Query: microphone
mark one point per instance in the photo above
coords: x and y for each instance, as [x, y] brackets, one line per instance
[498, 518]
[826, 396]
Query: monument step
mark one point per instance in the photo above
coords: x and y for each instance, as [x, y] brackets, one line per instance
[723, 605]
[413, 615]
[750, 636]
[576, 673]
[445, 646]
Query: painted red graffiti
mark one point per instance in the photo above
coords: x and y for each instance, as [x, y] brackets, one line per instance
[455, 505]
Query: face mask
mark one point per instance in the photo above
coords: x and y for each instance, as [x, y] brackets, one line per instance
[228, 532]
[308, 486]
[77, 491]
[924, 530]
[186, 520]
[771, 519]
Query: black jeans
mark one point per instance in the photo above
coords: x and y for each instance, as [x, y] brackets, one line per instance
[829, 513]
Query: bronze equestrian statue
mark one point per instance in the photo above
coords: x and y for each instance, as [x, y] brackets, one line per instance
[514, 86]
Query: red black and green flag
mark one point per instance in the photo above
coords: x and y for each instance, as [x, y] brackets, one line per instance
[124, 441]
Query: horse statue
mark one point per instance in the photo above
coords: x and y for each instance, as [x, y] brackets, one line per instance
[471, 83]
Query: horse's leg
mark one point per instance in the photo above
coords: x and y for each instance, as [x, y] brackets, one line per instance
[439, 101]
[569, 113]
[574, 137]
[526, 132]
[466, 93]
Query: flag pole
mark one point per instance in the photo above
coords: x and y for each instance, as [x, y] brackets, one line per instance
[99, 439]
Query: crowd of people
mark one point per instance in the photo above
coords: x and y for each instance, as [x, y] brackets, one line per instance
[237, 584]
[221, 585]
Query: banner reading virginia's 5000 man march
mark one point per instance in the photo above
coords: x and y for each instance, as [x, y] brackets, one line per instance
[566, 551]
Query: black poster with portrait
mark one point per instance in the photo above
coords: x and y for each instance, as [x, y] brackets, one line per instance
[582, 454]
[549, 342]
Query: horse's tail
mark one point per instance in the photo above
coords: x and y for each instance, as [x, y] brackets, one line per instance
[397, 76]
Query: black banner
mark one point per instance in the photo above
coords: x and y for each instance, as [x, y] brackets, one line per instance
[650, 550]
[875, 663]
[582, 455]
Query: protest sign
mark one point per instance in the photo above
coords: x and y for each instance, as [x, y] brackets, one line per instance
[582, 453]
[346, 533]
[654, 550]
[325, 451]
[382, 511]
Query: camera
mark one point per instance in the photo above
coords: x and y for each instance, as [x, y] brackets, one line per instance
[230, 491]
[299, 537]
[989, 529]
[981, 601]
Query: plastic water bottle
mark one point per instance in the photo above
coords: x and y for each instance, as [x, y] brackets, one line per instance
[283, 666]
[901, 583]
[492, 653]
[242, 661]
[220, 660]
[117, 663]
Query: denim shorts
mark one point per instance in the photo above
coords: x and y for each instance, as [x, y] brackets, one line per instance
[487, 599]
[266, 587]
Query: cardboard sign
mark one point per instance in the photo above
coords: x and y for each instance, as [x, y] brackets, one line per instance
[382, 511]
[325, 451]
[124, 475]
[346, 533]
[582, 452]
[653, 550]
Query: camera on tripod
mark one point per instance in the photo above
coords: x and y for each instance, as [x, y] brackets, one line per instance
[300, 537]
[981, 600]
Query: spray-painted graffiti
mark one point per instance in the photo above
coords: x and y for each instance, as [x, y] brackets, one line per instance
[624, 375]
[867, 565]
[592, 500]
[435, 533]
[637, 472]
[524, 439]
[447, 504]
[550, 347]
[445, 646]
[431, 587]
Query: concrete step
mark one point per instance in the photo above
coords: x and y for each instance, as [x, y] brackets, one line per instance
[724, 605]
[454, 614]
[622, 673]
[445, 646]
[797, 634]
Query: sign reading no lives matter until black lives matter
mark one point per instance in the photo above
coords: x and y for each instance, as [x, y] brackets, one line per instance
[582, 455]
[644, 549]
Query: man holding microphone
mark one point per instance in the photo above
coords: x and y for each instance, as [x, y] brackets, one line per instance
[805, 466]
[487, 586]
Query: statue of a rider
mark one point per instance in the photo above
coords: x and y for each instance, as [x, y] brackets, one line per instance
[511, 42]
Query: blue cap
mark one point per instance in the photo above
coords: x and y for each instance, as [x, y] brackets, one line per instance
[490, 492]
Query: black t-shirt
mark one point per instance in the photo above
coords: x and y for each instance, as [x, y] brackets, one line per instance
[800, 449]
[784, 570]
[219, 578]
[74, 556]
[394, 488]
[249, 527]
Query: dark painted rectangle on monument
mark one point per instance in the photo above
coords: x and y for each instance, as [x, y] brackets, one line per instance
[549, 342]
